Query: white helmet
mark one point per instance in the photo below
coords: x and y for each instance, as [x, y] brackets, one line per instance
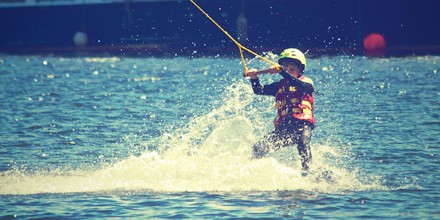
[294, 54]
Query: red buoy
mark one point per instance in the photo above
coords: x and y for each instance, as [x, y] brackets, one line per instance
[374, 44]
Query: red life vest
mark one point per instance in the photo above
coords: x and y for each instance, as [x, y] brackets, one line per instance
[289, 101]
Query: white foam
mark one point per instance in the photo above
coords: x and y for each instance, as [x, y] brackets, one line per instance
[211, 154]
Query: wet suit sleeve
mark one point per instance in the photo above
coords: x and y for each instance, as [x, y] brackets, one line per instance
[305, 86]
[270, 89]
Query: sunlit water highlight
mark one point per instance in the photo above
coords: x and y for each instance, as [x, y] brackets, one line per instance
[135, 132]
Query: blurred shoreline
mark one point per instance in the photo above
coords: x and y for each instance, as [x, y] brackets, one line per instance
[176, 27]
[163, 51]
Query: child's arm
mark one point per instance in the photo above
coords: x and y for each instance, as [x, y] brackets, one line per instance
[258, 89]
[305, 86]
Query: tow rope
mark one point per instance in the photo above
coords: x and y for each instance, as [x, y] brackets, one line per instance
[240, 47]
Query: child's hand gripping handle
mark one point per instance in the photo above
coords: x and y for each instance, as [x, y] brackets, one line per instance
[271, 70]
[257, 72]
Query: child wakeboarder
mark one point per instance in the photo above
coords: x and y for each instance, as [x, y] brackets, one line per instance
[294, 103]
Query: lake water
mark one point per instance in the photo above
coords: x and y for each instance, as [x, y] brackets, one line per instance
[94, 137]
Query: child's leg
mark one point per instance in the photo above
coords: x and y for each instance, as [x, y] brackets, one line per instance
[304, 146]
[273, 141]
[261, 148]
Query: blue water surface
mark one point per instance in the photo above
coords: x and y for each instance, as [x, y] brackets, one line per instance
[98, 136]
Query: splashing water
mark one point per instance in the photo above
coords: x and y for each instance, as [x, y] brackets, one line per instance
[211, 153]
